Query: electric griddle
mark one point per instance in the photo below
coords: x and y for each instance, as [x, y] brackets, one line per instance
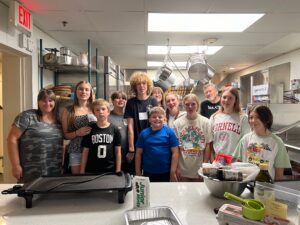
[73, 183]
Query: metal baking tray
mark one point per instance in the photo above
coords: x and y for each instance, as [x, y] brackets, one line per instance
[152, 216]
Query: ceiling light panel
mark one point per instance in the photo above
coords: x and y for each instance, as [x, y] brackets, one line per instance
[163, 50]
[205, 22]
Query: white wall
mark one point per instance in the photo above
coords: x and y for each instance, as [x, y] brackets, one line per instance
[9, 37]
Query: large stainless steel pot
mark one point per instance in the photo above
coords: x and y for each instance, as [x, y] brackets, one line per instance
[164, 78]
[164, 72]
[64, 60]
[197, 68]
[65, 51]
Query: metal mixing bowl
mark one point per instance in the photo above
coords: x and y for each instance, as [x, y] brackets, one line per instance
[218, 188]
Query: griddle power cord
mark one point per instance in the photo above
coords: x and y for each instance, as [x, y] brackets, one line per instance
[80, 182]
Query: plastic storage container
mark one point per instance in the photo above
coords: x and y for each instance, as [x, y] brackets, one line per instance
[286, 192]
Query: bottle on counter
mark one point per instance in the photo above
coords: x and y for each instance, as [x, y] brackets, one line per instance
[263, 191]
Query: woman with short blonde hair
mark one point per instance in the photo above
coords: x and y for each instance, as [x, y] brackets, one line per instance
[194, 134]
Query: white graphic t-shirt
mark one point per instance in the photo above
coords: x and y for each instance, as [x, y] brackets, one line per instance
[259, 149]
[193, 136]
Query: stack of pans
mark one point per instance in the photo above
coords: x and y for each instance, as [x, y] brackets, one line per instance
[62, 90]
[65, 57]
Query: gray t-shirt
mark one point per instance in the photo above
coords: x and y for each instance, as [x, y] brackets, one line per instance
[40, 146]
[121, 123]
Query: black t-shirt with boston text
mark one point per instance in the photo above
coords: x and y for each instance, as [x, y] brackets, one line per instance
[101, 143]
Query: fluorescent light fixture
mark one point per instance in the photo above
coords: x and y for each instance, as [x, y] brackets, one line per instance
[154, 64]
[205, 22]
[160, 63]
[163, 50]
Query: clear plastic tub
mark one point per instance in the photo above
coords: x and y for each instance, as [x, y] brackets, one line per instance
[286, 192]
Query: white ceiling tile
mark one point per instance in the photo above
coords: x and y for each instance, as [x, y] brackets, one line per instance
[53, 5]
[277, 22]
[117, 21]
[118, 28]
[113, 5]
[122, 38]
[52, 20]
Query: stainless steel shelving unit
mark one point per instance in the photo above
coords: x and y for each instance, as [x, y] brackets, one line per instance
[69, 69]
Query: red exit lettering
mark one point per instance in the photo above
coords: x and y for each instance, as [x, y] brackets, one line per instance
[24, 17]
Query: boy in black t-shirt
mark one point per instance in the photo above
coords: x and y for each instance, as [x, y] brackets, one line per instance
[102, 146]
[136, 111]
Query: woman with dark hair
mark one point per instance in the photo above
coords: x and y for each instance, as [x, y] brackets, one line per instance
[229, 123]
[260, 145]
[75, 122]
[35, 140]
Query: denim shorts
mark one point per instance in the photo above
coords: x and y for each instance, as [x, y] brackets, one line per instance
[74, 159]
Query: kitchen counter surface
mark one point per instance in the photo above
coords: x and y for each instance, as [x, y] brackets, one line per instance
[191, 202]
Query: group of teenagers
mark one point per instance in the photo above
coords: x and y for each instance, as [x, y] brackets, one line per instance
[150, 134]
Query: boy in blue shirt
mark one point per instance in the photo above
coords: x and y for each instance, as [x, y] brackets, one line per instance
[157, 149]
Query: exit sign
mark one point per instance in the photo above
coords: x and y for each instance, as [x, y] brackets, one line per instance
[22, 17]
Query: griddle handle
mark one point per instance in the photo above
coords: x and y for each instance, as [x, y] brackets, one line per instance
[14, 190]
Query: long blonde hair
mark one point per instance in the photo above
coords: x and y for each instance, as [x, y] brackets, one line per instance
[236, 106]
[167, 110]
[71, 109]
